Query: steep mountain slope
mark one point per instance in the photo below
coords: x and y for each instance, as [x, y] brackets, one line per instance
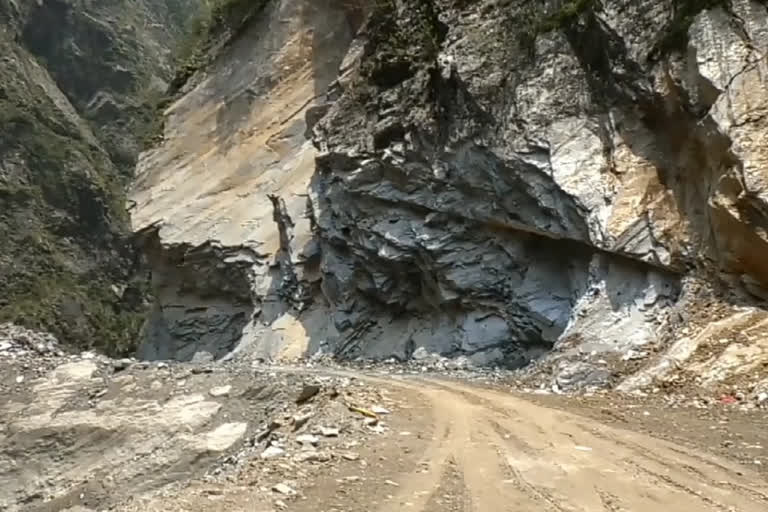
[486, 179]
[73, 75]
[235, 136]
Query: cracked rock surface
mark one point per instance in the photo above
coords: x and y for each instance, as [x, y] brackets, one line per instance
[496, 183]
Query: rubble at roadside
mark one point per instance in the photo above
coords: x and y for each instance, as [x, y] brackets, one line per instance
[152, 432]
[147, 431]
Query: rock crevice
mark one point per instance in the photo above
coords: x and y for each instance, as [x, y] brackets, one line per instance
[472, 189]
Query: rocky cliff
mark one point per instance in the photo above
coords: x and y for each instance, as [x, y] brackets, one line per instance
[485, 179]
[74, 78]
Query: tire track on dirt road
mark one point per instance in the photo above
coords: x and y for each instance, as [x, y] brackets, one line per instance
[516, 455]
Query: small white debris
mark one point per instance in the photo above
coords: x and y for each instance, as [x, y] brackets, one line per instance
[312, 456]
[220, 391]
[379, 410]
[121, 364]
[762, 397]
[390, 482]
[307, 439]
[350, 456]
[272, 452]
[19, 379]
[329, 431]
[285, 490]
[300, 419]
[583, 448]
[377, 429]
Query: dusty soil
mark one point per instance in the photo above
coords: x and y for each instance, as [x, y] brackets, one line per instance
[85, 434]
[495, 451]
[729, 430]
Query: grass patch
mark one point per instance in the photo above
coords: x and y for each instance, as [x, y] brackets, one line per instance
[63, 225]
[534, 20]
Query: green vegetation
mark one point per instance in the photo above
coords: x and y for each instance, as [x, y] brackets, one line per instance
[219, 21]
[81, 313]
[676, 34]
[534, 20]
[62, 222]
[567, 13]
[399, 39]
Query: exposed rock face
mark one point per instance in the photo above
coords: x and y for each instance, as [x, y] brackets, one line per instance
[202, 299]
[109, 58]
[236, 136]
[486, 180]
[73, 75]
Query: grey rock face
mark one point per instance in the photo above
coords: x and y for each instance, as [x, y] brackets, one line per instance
[492, 182]
[202, 299]
[462, 197]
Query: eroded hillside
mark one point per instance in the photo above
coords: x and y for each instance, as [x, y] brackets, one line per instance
[75, 77]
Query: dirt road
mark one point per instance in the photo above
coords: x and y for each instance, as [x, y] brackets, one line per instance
[178, 438]
[491, 451]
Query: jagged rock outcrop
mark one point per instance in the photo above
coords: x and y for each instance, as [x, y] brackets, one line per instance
[490, 179]
[235, 137]
[73, 78]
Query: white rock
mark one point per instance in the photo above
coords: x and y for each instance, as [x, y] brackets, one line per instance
[379, 410]
[220, 391]
[222, 437]
[300, 419]
[284, 489]
[329, 431]
[312, 456]
[307, 439]
[350, 455]
[19, 379]
[762, 397]
[272, 452]
[420, 354]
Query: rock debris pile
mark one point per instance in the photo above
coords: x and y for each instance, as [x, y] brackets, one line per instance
[84, 430]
